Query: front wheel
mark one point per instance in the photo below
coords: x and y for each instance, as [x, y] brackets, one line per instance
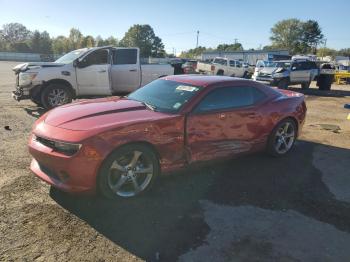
[282, 138]
[55, 95]
[305, 85]
[128, 172]
[283, 83]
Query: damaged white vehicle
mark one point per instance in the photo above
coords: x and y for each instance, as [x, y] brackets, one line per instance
[88, 72]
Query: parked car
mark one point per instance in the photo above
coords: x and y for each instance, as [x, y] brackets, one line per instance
[118, 146]
[190, 66]
[101, 71]
[285, 73]
[224, 66]
[260, 65]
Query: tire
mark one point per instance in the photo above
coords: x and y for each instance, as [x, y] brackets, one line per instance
[305, 85]
[282, 138]
[324, 82]
[118, 178]
[55, 95]
[245, 75]
[36, 101]
[283, 83]
[220, 73]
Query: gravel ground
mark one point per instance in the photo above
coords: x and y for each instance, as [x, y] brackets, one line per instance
[254, 208]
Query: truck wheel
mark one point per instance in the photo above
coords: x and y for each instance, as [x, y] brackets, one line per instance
[36, 99]
[283, 83]
[305, 85]
[246, 75]
[55, 95]
[325, 82]
[220, 73]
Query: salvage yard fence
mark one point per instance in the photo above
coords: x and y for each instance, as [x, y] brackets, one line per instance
[27, 57]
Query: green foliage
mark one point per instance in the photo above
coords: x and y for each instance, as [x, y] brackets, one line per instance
[296, 36]
[230, 47]
[193, 53]
[143, 37]
[324, 51]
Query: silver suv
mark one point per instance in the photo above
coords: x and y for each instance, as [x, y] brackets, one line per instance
[290, 72]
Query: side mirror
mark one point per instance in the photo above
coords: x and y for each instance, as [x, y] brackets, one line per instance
[75, 63]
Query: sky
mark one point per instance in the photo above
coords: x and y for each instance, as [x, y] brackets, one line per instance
[176, 21]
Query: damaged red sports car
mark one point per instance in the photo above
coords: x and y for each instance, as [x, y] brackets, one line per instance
[118, 146]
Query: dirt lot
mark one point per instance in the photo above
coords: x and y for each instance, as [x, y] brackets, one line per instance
[255, 208]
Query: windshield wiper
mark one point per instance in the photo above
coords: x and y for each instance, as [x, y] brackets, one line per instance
[152, 107]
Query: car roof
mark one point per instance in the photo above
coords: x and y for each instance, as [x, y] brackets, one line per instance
[203, 80]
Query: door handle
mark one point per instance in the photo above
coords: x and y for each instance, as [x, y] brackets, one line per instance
[102, 71]
[132, 70]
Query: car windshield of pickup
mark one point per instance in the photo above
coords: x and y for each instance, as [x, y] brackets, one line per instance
[71, 56]
[164, 95]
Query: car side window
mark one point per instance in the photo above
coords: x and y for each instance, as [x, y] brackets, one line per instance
[238, 64]
[98, 57]
[125, 57]
[230, 97]
[232, 63]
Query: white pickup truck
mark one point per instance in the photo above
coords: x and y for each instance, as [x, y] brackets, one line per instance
[224, 66]
[100, 71]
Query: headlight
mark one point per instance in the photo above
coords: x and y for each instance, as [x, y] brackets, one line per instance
[66, 148]
[26, 78]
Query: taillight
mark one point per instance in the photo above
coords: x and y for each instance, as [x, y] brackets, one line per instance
[212, 68]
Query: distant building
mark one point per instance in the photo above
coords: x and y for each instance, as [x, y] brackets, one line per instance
[248, 56]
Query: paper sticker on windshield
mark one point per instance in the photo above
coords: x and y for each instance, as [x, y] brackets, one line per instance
[187, 88]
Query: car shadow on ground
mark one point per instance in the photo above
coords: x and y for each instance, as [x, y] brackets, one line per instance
[168, 221]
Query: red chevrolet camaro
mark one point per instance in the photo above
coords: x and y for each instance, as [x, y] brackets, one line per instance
[118, 146]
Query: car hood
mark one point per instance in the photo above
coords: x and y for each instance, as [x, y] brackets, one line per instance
[31, 65]
[268, 70]
[100, 114]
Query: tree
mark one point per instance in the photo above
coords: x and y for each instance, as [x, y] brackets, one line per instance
[193, 53]
[41, 43]
[287, 34]
[60, 45]
[296, 36]
[344, 52]
[14, 33]
[88, 41]
[143, 37]
[75, 39]
[324, 51]
[312, 34]
[111, 41]
[230, 47]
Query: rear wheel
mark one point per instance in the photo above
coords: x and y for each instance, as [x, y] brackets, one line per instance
[220, 73]
[305, 85]
[282, 138]
[55, 95]
[128, 172]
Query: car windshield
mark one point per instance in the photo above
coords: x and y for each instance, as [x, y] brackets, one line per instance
[283, 64]
[164, 95]
[70, 57]
[270, 64]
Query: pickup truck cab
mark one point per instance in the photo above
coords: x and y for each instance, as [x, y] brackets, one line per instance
[224, 66]
[100, 71]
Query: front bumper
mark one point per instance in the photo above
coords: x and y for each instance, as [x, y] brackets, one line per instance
[21, 93]
[72, 174]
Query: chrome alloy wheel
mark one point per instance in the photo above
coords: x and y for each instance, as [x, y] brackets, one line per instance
[57, 96]
[284, 138]
[130, 174]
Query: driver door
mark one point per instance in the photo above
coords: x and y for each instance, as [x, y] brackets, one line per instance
[93, 73]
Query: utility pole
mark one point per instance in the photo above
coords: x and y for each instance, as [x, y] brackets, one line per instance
[236, 40]
[197, 38]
